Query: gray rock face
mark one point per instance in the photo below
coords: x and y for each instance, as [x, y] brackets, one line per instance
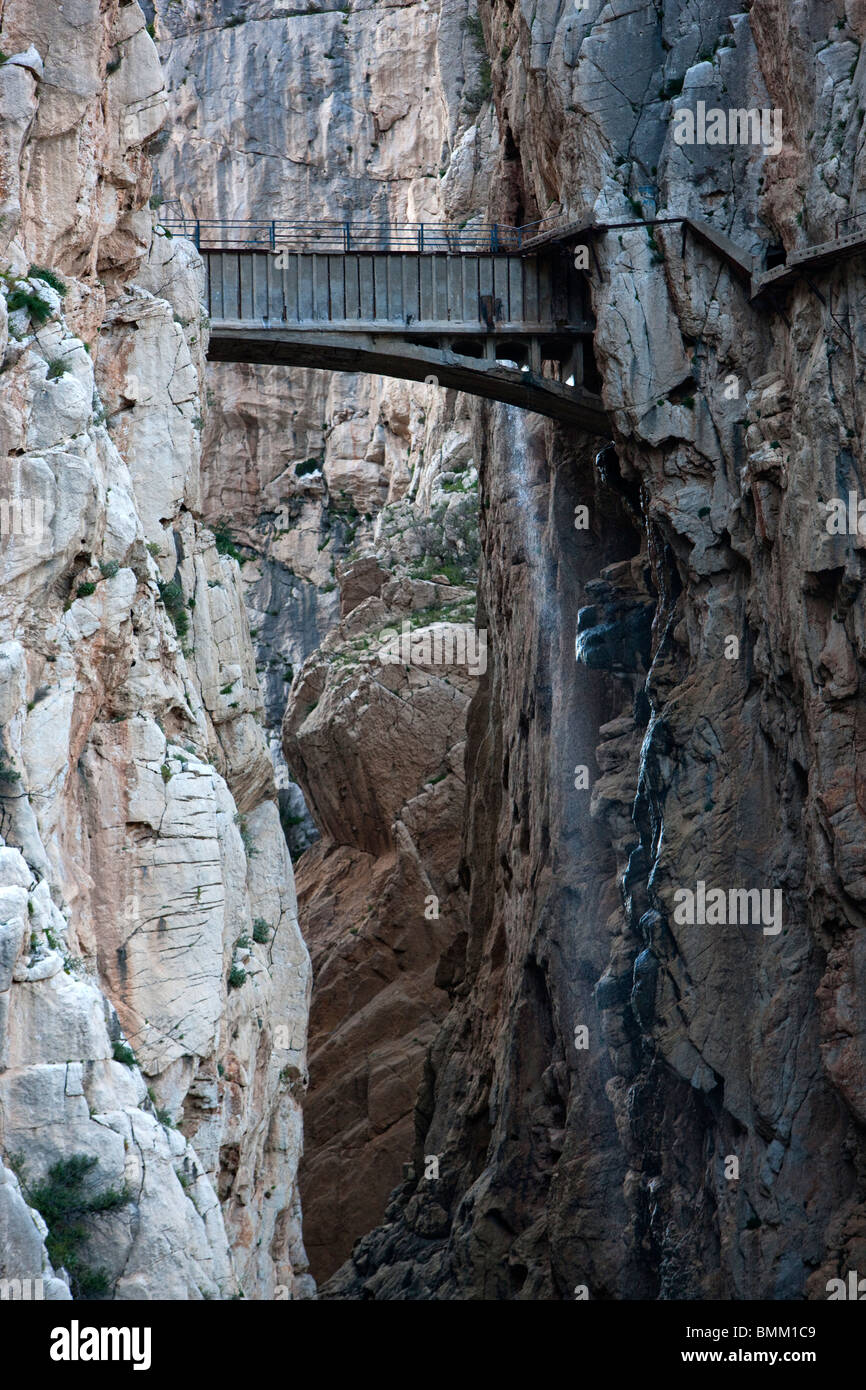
[702, 1138]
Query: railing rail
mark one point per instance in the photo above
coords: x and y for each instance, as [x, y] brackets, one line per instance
[843, 227]
[278, 234]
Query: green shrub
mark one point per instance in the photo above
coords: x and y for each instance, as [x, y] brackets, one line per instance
[64, 1206]
[86, 589]
[671, 88]
[225, 543]
[474, 27]
[39, 272]
[122, 1052]
[154, 548]
[38, 309]
[308, 466]
[57, 368]
[172, 596]
[166, 772]
[246, 836]
[108, 568]
[452, 572]
[237, 977]
[261, 931]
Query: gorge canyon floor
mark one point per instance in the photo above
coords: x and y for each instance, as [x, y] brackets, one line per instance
[432, 627]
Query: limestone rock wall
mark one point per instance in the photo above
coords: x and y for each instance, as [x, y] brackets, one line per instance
[697, 651]
[153, 981]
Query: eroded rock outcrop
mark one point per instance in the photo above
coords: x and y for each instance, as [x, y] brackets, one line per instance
[378, 746]
[337, 489]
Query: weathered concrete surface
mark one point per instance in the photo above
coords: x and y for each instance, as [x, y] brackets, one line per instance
[462, 371]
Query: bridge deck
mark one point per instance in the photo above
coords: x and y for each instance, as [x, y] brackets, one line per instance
[826, 253]
[466, 306]
[816, 257]
[394, 291]
[480, 322]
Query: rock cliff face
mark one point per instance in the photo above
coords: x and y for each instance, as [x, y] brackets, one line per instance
[299, 113]
[704, 1137]
[340, 489]
[593, 1093]
[379, 750]
[153, 980]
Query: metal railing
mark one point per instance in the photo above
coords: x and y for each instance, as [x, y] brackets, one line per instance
[548, 223]
[843, 224]
[341, 237]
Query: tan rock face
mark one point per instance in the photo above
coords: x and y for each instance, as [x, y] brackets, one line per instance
[153, 981]
[379, 755]
[83, 119]
[375, 1013]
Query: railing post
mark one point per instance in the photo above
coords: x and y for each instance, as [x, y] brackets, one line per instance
[421, 237]
[346, 236]
[273, 235]
[197, 235]
[494, 238]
